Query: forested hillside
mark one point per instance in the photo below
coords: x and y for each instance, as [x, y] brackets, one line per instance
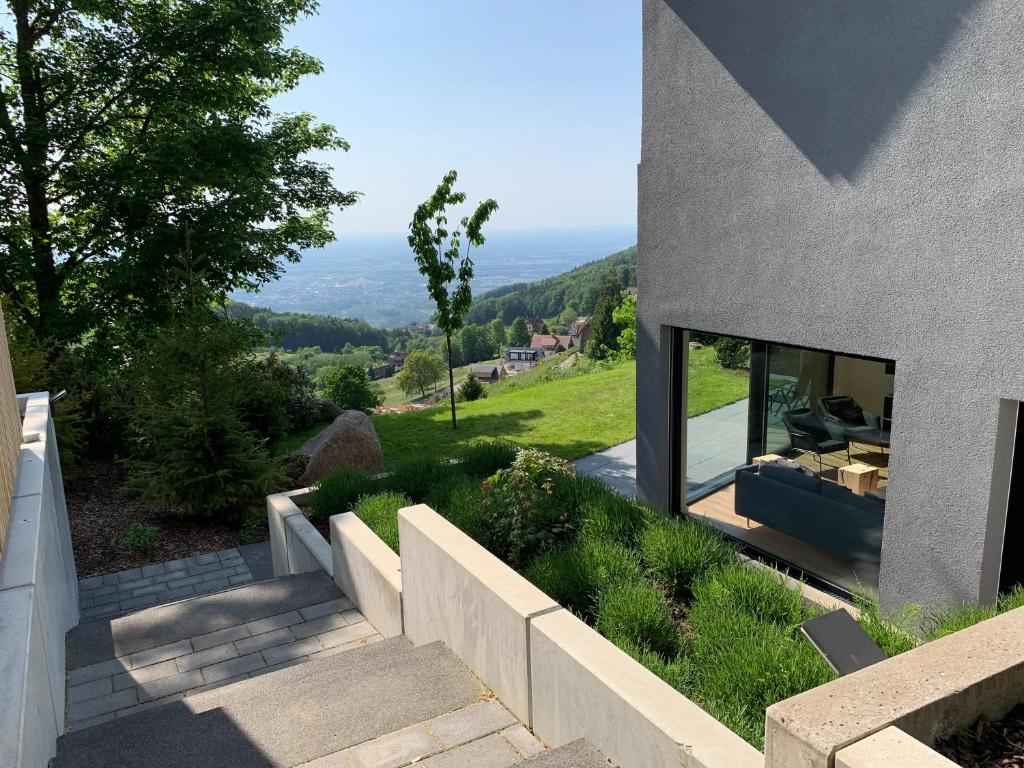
[577, 291]
[293, 330]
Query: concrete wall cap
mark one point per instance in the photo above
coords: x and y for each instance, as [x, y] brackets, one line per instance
[891, 748]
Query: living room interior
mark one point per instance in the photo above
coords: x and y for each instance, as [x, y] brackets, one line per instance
[811, 493]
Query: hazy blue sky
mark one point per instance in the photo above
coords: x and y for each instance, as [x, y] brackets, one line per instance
[534, 102]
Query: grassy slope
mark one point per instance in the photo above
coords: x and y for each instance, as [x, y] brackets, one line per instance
[712, 387]
[569, 418]
[393, 394]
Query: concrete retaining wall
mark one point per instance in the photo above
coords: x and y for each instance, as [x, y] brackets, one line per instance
[295, 545]
[583, 686]
[890, 748]
[368, 572]
[38, 597]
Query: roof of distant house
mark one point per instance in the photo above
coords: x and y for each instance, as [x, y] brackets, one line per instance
[550, 340]
[522, 349]
[485, 368]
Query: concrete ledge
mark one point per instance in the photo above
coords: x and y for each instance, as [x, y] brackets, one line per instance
[583, 686]
[456, 591]
[891, 748]
[368, 572]
[295, 545]
[928, 692]
[38, 596]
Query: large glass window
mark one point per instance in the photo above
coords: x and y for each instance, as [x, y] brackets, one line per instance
[787, 450]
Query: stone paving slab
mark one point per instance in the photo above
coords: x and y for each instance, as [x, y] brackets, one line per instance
[91, 643]
[179, 669]
[111, 595]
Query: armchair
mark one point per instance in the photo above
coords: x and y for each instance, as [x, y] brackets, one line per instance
[809, 434]
[844, 416]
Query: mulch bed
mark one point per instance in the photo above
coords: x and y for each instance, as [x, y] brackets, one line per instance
[101, 513]
[988, 744]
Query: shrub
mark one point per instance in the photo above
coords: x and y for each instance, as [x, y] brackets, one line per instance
[292, 466]
[416, 476]
[458, 500]
[340, 491]
[350, 388]
[380, 513]
[731, 352]
[740, 666]
[517, 512]
[743, 590]
[678, 552]
[470, 389]
[575, 576]
[615, 517]
[484, 458]
[636, 612]
[301, 405]
[140, 536]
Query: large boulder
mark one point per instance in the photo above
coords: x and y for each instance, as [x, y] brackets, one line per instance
[328, 410]
[350, 441]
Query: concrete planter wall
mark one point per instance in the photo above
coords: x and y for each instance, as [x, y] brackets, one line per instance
[368, 572]
[552, 670]
[38, 597]
[295, 545]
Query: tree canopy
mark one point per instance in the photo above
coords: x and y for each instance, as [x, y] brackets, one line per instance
[127, 126]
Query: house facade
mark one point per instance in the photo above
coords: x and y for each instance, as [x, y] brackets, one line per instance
[838, 186]
[522, 358]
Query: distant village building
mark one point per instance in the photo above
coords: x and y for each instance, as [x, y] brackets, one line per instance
[579, 333]
[535, 324]
[632, 292]
[486, 372]
[397, 359]
[522, 358]
[551, 343]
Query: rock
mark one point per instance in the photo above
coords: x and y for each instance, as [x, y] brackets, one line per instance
[328, 410]
[350, 441]
[695, 345]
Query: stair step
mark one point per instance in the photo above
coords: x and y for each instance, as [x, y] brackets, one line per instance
[101, 641]
[575, 754]
[286, 717]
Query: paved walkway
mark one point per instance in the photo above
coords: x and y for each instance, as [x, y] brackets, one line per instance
[716, 443]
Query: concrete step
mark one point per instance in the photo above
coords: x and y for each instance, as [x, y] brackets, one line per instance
[576, 754]
[154, 675]
[287, 717]
[101, 641]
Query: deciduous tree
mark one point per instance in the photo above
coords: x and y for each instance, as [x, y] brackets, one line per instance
[349, 387]
[519, 333]
[125, 124]
[438, 251]
[420, 372]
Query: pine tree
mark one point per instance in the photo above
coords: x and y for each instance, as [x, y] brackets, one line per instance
[519, 333]
[471, 389]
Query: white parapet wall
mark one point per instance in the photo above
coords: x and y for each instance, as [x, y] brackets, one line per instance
[295, 545]
[456, 591]
[368, 572]
[38, 596]
[583, 686]
[929, 692]
[890, 748]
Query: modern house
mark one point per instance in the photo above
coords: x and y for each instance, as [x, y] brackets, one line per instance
[522, 358]
[486, 372]
[839, 185]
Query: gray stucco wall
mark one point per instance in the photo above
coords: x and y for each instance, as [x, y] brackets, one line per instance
[849, 175]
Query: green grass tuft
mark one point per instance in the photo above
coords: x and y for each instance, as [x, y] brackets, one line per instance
[339, 492]
[635, 612]
[380, 513]
[678, 552]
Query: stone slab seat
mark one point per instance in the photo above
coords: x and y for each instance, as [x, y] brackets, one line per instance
[152, 627]
[287, 717]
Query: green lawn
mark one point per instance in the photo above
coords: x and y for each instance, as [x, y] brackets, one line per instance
[711, 386]
[569, 418]
[291, 443]
[393, 394]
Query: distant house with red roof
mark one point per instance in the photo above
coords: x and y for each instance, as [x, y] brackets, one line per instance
[551, 343]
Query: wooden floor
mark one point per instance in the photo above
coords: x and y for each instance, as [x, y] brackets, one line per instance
[719, 510]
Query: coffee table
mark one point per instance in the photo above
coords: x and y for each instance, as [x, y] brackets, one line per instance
[859, 478]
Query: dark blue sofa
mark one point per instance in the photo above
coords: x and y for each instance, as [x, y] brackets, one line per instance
[812, 510]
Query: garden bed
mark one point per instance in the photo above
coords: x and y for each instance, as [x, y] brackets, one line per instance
[673, 594]
[988, 744]
[101, 515]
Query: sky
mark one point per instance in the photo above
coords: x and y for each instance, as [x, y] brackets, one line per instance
[535, 103]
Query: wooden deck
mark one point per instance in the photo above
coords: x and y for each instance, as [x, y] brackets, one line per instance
[719, 510]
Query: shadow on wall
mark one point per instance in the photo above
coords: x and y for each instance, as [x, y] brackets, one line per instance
[832, 74]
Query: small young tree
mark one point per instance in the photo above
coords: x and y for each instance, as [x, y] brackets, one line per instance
[471, 389]
[349, 387]
[438, 251]
[420, 373]
[518, 333]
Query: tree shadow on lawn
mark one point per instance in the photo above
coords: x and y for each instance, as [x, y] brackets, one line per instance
[428, 435]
